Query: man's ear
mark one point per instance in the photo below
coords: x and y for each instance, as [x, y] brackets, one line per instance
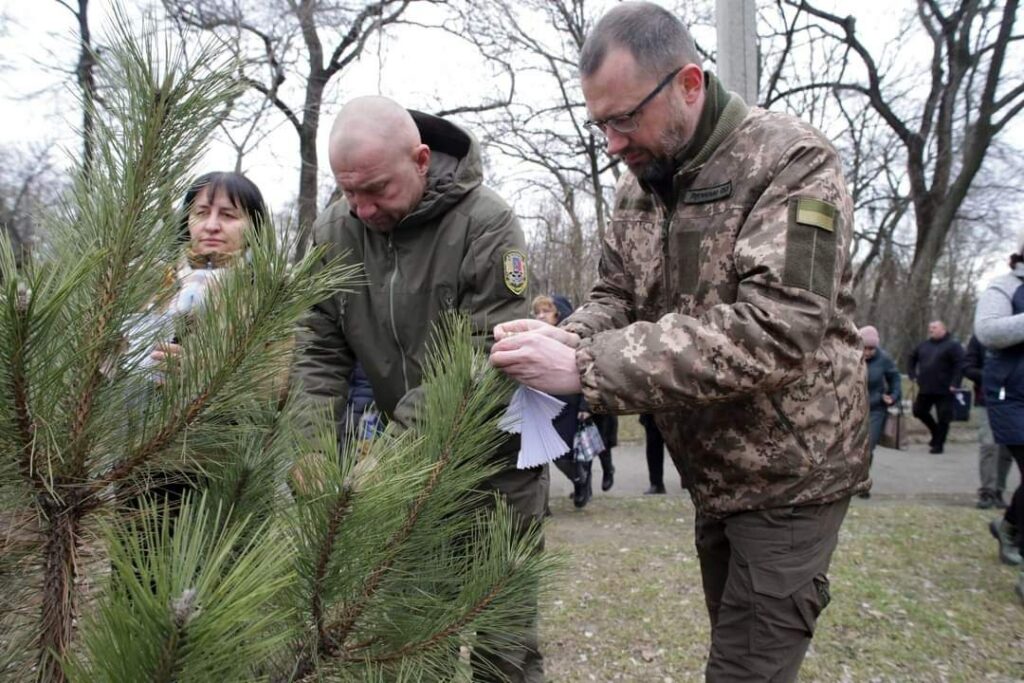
[690, 81]
[421, 157]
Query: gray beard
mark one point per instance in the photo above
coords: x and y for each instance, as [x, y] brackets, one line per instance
[660, 169]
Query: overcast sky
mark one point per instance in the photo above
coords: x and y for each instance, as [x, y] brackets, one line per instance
[420, 69]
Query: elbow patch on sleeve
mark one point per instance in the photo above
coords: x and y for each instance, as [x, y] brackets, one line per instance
[811, 245]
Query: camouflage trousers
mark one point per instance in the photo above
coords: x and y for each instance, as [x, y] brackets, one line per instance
[765, 583]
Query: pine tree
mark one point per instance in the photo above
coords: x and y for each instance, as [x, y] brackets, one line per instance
[383, 566]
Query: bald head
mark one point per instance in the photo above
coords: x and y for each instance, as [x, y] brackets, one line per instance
[379, 161]
[373, 123]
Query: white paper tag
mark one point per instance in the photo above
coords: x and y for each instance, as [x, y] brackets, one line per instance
[529, 414]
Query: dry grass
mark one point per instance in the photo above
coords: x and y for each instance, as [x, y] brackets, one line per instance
[917, 596]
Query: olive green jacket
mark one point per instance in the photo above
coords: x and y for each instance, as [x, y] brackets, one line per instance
[461, 248]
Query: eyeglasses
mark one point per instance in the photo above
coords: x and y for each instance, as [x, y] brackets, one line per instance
[627, 123]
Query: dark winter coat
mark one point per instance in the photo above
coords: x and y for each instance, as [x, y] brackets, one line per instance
[974, 365]
[936, 364]
[883, 378]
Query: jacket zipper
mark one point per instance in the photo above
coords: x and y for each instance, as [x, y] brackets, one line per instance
[391, 307]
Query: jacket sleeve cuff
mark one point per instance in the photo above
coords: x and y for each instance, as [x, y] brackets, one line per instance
[587, 366]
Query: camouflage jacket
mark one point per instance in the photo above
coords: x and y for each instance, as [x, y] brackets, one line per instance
[729, 315]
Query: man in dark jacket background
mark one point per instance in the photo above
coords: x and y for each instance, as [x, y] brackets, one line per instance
[994, 461]
[936, 366]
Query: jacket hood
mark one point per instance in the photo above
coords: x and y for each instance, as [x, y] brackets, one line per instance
[455, 167]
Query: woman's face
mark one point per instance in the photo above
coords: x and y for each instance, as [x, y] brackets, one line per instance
[215, 224]
[546, 314]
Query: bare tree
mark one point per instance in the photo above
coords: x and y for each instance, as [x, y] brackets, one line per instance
[302, 42]
[945, 125]
[85, 75]
[556, 168]
[28, 183]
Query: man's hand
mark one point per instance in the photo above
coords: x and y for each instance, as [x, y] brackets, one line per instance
[887, 399]
[514, 327]
[538, 360]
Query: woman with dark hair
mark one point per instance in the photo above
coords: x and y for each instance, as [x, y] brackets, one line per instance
[999, 326]
[232, 191]
[219, 212]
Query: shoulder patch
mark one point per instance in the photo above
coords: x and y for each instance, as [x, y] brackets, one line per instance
[703, 195]
[816, 213]
[514, 267]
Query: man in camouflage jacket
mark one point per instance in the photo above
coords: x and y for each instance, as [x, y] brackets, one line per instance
[724, 307]
[430, 238]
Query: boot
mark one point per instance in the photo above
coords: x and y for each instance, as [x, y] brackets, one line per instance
[1006, 534]
[581, 489]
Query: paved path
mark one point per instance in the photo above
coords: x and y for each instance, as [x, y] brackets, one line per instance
[913, 474]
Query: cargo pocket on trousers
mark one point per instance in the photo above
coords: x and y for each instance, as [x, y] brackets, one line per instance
[811, 600]
[786, 611]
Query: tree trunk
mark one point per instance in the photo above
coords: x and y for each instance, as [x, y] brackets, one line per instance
[87, 83]
[917, 305]
[58, 606]
[309, 171]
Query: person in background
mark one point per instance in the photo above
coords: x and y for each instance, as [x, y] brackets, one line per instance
[999, 327]
[994, 460]
[883, 387]
[935, 364]
[654, 446]
[552, 309]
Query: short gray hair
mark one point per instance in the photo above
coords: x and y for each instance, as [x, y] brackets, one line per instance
[657, 39]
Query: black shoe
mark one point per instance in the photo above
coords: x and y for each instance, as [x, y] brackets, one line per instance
[997, 501]
[864, 494]
[581, 491]
[655, 490]
[935, 450]
[608, 478]
[986, 501]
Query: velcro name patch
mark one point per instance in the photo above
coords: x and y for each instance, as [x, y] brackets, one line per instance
[703, 195]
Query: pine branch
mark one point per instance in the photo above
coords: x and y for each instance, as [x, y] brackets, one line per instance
[19, 390]
[339, 508]
[435, 639]
[342, 628]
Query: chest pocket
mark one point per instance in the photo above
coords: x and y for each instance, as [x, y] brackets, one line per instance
[700, 249]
